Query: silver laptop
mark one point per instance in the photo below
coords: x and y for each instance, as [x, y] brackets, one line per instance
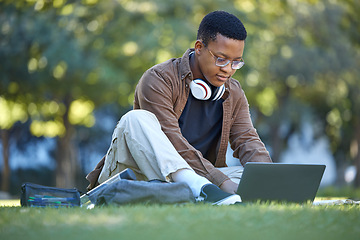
[280, 182]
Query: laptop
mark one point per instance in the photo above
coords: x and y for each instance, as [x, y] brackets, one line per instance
[280, 182]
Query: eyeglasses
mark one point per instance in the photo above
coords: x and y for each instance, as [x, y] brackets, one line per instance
[222, 62]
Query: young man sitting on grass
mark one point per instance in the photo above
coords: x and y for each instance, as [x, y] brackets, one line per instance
[186, 110]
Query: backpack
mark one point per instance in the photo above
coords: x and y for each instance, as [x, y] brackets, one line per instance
[148, 192]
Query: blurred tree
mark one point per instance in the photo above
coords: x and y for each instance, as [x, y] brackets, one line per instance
[60, 60]
[322, 63]
[44, 69]
[305, 66]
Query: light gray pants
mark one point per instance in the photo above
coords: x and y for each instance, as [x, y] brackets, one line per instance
[139, 143]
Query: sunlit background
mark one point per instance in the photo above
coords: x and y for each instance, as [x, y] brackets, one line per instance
[68, 70]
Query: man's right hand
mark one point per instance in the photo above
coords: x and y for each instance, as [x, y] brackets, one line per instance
[229, 186]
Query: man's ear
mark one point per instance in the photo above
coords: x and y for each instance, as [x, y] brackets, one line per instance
[198, 46]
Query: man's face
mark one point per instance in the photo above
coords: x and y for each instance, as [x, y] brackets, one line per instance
[223, 47]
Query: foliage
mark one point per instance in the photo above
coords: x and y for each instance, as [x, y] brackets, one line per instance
[42, 65]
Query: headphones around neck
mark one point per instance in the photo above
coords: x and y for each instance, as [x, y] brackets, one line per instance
[203, 91]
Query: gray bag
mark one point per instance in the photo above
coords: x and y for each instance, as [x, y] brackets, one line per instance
[152, 192]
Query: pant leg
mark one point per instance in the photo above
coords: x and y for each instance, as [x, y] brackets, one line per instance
[139, 143]
[233, 172]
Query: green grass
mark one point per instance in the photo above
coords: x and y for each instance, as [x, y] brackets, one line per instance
[334, 192]
[191, 221]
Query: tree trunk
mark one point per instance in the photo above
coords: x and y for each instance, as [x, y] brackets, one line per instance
[357, 157]
[5, 181]
[277, 143]
[65, 155]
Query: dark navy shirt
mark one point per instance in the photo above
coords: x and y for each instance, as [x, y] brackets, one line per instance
[201, 124]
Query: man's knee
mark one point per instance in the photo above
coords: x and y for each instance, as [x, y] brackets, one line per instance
[138, 115]
[135, 120]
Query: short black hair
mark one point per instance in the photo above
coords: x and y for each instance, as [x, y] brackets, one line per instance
[223, 23]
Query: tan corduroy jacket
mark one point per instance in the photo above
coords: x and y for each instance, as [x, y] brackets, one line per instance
[164, 90]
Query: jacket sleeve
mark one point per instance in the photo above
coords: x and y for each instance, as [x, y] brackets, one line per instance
[155, 93]
[244, 138]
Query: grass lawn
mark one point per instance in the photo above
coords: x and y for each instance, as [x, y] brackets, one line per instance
[191, 221]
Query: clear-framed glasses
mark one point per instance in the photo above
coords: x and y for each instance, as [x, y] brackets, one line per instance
[222, 62]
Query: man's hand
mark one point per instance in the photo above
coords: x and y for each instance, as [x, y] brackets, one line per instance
[229, 186]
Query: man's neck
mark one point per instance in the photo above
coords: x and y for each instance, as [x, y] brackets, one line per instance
[194, 66]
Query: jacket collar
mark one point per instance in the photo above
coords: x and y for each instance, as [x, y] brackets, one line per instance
[185, 69]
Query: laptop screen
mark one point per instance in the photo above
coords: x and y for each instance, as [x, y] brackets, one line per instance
[280, 182]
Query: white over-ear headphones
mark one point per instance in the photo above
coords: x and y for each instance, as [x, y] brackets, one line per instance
[202, 91]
